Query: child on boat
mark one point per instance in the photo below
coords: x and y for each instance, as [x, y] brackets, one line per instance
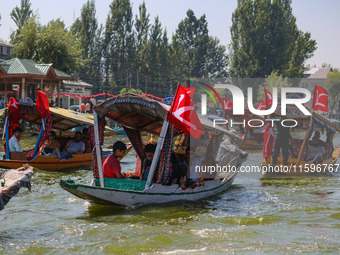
[51, 146]
[111, 166]
[149, 151]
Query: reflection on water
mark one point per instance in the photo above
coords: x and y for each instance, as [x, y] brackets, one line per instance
[258, 214]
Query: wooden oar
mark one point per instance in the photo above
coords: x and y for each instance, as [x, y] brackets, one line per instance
[231, 161]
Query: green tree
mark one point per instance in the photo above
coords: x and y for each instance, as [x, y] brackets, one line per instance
[87, 32]
[275, 80]
[216, 61]
[26, 45]
[142, 27]
[118, 45]
[178, 71]
[134, 91]
[56, 45]
[265, 38]
[20, 16]
[192, 33]
[332, 86]
[49, 44]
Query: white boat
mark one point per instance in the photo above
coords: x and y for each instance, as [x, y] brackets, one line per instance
[137, 114]
[132, 192]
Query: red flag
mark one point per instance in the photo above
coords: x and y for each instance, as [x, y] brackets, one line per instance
[13, 107]
[261, 106]
[320, 100]
[268, 141]
[269, 98]
[42, 105]
[227, 104]
[182, 113]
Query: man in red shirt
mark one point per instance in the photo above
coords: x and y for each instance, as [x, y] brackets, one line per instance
[111, 166]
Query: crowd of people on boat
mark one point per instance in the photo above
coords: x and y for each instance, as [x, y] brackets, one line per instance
[52, 146]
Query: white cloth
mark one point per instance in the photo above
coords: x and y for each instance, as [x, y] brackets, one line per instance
[73, 146]
[317, 152]
[193, 174]
[13, 144]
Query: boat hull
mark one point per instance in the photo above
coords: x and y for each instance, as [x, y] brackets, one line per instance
[52, 163]
[157, 194]
[250, 145]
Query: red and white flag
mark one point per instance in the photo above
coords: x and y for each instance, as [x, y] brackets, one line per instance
[320, 99]
[261, 106]
[227, 104]
[42, 105]
[268, 141]
[182, 113]
[13, 107]
[269, 98]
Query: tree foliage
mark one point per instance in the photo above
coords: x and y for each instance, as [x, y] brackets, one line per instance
[118, 44]
[332, 85]
[275, 80]
[128, 50]
[20, 16]
[265, 38]
[87, 32]
[48, 44]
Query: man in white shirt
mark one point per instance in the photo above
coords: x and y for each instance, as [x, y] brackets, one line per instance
[75, 146]
[14, 142]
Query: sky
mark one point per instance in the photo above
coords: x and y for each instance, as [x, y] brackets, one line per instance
[319, 17]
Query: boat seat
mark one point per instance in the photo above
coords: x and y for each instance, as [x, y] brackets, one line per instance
[15, 155]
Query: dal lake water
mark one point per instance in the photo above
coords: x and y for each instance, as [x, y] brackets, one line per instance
[256, 215]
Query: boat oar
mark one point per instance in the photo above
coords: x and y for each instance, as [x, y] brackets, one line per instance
[231, 161]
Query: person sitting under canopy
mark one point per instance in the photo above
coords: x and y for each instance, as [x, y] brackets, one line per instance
[75, 146]
[51, 146]
[317, 148]
[13, 143]
[111, 166]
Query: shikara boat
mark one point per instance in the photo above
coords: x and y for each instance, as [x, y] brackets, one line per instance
[301, 160]
[60, 119]
[137, 114]
[11, 180]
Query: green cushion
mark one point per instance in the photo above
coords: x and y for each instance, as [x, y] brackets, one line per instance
[123, 184]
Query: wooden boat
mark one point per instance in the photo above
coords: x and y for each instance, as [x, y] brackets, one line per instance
[11, 180]
[253, 141]
[300, 160]
[138, 114]
[61, 119]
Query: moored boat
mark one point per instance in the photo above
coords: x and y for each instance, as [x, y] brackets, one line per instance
[137, 114]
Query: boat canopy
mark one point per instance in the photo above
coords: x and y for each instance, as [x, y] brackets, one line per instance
[295, 113]
[144, 114]
[62, 119]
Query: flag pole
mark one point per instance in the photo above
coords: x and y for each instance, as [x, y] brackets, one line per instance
[157, 154]
[98, 152]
